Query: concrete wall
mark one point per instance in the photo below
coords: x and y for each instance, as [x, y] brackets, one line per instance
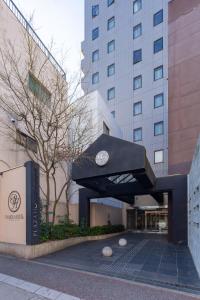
[13, 223]
[194, 207]
[101, 214]
[125, 71]
[184, 79]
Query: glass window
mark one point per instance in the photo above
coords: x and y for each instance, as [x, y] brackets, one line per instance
[137, 56]
[26, 141]
[95, 33]
[137, 5]
[137, 82]
[158, 100]
[137, 108]
[158, 45]
[158, 17]
[111, 46]
[111, 93]
[158, 73]
[111, 23]
[110, 2]
[95, 55]
[95, 10]
[137, 31]
[111, 70]
[158, 156]
[38, 89]
[113, 113]
[159, 128]
[95, 78]
[137, 134]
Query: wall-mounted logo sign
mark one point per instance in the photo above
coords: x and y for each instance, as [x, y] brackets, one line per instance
[102, 158]
[14, 201]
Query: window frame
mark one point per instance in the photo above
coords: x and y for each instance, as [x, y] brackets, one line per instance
[110, 2]
[137, 129]
[109, 22]
[112, 89]
[156, 124]
[134, 105]
[95, 36]
[156, 69]
[140, 56]
[159, 162]
[156, 23]
[135, 28]
[112, 42]
[134, 2]
[111, 67]
[157, 95]
[134, 79]
[154, 45]
[93, 54]
[93, 76]
[94, 7]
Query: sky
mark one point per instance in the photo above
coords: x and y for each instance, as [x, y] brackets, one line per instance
[61, 21]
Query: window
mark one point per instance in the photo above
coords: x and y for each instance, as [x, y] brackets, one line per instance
[137, 134]
[111, 93]
[110, 2]
[137, 31]
[111, 46]
[95, 33]
[158, 45]
[158, 17]
[26, 141]
[38, 90]
[106, 130]
[111, 70]
[158, 156]
[159, 128]
[158, 73]
[111, 23]
[95, 10]
[158, 100]
[137, 5]
[137, 56]
[137, 82]
[137, 108]
[95, 78]
[113, 113]
[95, 55]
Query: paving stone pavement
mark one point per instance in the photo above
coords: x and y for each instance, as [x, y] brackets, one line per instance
[147, 258]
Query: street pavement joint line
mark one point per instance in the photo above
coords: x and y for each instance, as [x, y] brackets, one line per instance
[35, 289]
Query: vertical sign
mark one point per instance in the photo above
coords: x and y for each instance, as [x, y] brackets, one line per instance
[32, 203]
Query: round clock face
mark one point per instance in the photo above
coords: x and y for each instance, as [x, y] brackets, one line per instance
[102, 158]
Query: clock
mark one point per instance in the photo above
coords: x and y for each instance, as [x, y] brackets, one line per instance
[102, 158]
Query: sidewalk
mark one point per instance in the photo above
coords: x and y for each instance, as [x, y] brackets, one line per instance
[12, 288]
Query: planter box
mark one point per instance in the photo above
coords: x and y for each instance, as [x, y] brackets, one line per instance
[30, 252]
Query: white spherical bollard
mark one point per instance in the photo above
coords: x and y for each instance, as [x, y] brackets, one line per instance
[107, 251]
[122, 242]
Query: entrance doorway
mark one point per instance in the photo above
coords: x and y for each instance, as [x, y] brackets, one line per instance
[146, 219]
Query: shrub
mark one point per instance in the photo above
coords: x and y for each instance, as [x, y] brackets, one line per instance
[66, 230]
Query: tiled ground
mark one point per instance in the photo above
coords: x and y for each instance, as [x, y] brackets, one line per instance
[146, 258]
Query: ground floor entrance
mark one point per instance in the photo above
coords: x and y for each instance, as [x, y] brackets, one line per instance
[148, 219]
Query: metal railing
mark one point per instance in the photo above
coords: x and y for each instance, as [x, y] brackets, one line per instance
[11, 5]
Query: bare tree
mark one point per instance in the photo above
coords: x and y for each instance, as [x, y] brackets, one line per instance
[51, 125]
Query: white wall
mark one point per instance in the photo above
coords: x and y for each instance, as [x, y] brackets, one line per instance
[194, 207]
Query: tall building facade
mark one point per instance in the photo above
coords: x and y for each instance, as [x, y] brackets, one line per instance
[126, 59]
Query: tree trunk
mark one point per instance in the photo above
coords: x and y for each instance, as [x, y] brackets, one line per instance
[48, 198]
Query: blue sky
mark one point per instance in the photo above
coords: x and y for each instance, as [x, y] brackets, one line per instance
[60, 20]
